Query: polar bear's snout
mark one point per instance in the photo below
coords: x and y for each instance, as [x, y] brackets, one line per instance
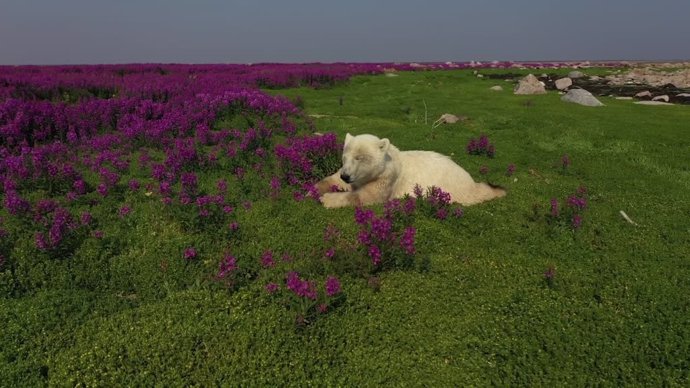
[345, 177]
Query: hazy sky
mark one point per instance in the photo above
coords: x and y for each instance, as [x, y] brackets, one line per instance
[239, 31]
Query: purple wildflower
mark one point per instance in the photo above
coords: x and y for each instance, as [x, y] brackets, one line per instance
[102, 189]
[124, 211]
[222, 185]
[332, 286]
[554, 207]
[577, 221]
[407, 240]
[375, 254]
[363, 216]
[271, 288]
[418, 192]
[86, 218]
[134, 185]
[189, 253]
[267, 259]
[227, 266]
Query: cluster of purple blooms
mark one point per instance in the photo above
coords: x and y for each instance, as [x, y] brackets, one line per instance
[437, 202]
[572, 208]
[385, 237]
[481, 146]
[305, 159]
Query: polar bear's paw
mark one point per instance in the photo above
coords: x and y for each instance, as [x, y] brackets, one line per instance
[334, 200]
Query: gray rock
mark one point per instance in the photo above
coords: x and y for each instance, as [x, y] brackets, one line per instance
[624, 98]
[529, 85]
[663, 98]
[582, 97]
[684, 95]
[651, 103]
[563, 83]
[576, 74]
[644, 94]
[497, 88]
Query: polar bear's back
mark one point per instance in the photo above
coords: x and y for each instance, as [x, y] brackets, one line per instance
[427, 168]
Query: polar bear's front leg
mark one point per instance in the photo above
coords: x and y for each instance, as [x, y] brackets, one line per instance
[334, 200]
[367, 195]
[327, 184]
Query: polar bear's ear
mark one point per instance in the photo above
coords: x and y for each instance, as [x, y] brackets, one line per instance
[348, 137]
[384, 144]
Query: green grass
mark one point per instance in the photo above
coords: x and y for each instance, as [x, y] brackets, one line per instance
[616, 313]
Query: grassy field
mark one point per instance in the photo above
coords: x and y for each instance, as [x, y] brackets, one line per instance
[507, 296]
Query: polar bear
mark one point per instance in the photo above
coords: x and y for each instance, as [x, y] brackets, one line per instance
[375, 171]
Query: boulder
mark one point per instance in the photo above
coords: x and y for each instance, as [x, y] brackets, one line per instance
[582, 97]
[563, 83]
[529, 85]
[497, 88]
[663, 98]
[448, 118]
[651, 103]
[576, 74]
[645, 94]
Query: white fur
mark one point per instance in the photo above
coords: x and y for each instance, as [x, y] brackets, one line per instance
[378, 172]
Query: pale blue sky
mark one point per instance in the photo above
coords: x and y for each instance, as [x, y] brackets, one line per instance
[240, 31]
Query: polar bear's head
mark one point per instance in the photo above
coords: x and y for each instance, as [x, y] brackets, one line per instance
[364, 159]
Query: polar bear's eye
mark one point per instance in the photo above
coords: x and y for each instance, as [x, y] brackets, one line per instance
[359, 158]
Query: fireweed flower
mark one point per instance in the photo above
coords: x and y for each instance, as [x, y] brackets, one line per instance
[227, 266]
[234, 226]
[407, 240]
[267, 260]
[409, 206]
[577, 221]
[124, 211]
[484, 170]
[458, 212]
[222, 185]
[189, 253]
[418, 192]
[330, 253]
[134, 185]
[381, 228]
[271, 288]
[332, 286]
[363, 216]
[86, 218]
[441, 213]
[364, 237]
[189, 182]
[578, 203]
[102, 189]
[565, 161]
[375, 254]
[554, 207]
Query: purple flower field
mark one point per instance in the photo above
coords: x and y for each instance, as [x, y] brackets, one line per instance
[83, 148]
